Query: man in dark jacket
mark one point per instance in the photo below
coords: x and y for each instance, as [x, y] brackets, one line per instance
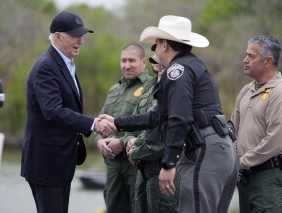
[53, 142]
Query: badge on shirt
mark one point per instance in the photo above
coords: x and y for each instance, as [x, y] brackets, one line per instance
[138, 92]
[265, 94]
[175, 71]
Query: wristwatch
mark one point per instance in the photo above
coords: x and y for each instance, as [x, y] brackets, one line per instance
[168, 165]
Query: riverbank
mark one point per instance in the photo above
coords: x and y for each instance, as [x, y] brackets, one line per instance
[16, 195]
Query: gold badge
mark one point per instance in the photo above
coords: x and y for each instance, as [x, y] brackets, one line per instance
[265, 94]
[138, 92]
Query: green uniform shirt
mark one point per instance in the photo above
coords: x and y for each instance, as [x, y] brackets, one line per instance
[123, 97]
[145, 151]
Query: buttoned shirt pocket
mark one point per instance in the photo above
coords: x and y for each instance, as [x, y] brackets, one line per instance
[143, 103]
[112, 98]
[129, 105]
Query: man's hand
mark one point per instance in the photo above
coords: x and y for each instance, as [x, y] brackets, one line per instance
[102, 145]
[166, 183]
[107, 117]
[115, 145]
[132, 161]
[129, 144]
[104, 127]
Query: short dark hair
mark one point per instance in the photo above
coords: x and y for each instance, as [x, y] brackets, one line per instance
[177, 46]
[137, 47]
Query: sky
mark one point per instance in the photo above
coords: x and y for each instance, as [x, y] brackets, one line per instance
[108, 4]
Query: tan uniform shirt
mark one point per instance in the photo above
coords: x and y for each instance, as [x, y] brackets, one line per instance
[257, 118]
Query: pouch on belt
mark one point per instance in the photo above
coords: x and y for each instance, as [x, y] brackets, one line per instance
[223, 127]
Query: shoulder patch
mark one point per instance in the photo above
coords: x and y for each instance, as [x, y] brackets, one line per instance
[175, 71]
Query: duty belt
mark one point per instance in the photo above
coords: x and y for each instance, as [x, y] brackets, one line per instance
[203, 117]
[196, 137]
[209, 130]
[269, 164]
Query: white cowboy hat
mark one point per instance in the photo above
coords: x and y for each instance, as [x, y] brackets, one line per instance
[175, 28]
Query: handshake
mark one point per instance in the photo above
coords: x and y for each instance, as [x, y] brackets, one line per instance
[104, 125]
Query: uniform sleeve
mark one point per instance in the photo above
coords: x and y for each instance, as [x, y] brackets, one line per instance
[143, 121]
[149, 146]
[179, 91]
[235, 116]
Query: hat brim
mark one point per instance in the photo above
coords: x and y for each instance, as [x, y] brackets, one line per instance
[79, 31]
[153, 60]
[150, 34]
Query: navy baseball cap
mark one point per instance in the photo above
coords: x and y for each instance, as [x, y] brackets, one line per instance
[69, 23]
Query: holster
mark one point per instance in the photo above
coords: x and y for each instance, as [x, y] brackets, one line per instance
[219, 123]
[194, 139]
[231, 131]
[223, 127]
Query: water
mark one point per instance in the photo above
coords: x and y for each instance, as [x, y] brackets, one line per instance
[16, 197]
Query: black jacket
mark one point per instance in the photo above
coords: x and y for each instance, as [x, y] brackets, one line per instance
[187, 94]
[54, 122]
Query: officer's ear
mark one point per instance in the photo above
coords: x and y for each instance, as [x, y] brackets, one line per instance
[166, 45]
[268, 61]
[144, 61]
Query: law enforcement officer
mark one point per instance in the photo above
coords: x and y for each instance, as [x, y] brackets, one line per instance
[145, 150]
[257, 118]
[189, 114]
[121, 100]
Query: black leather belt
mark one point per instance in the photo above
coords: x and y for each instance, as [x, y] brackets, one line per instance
[269, 164]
